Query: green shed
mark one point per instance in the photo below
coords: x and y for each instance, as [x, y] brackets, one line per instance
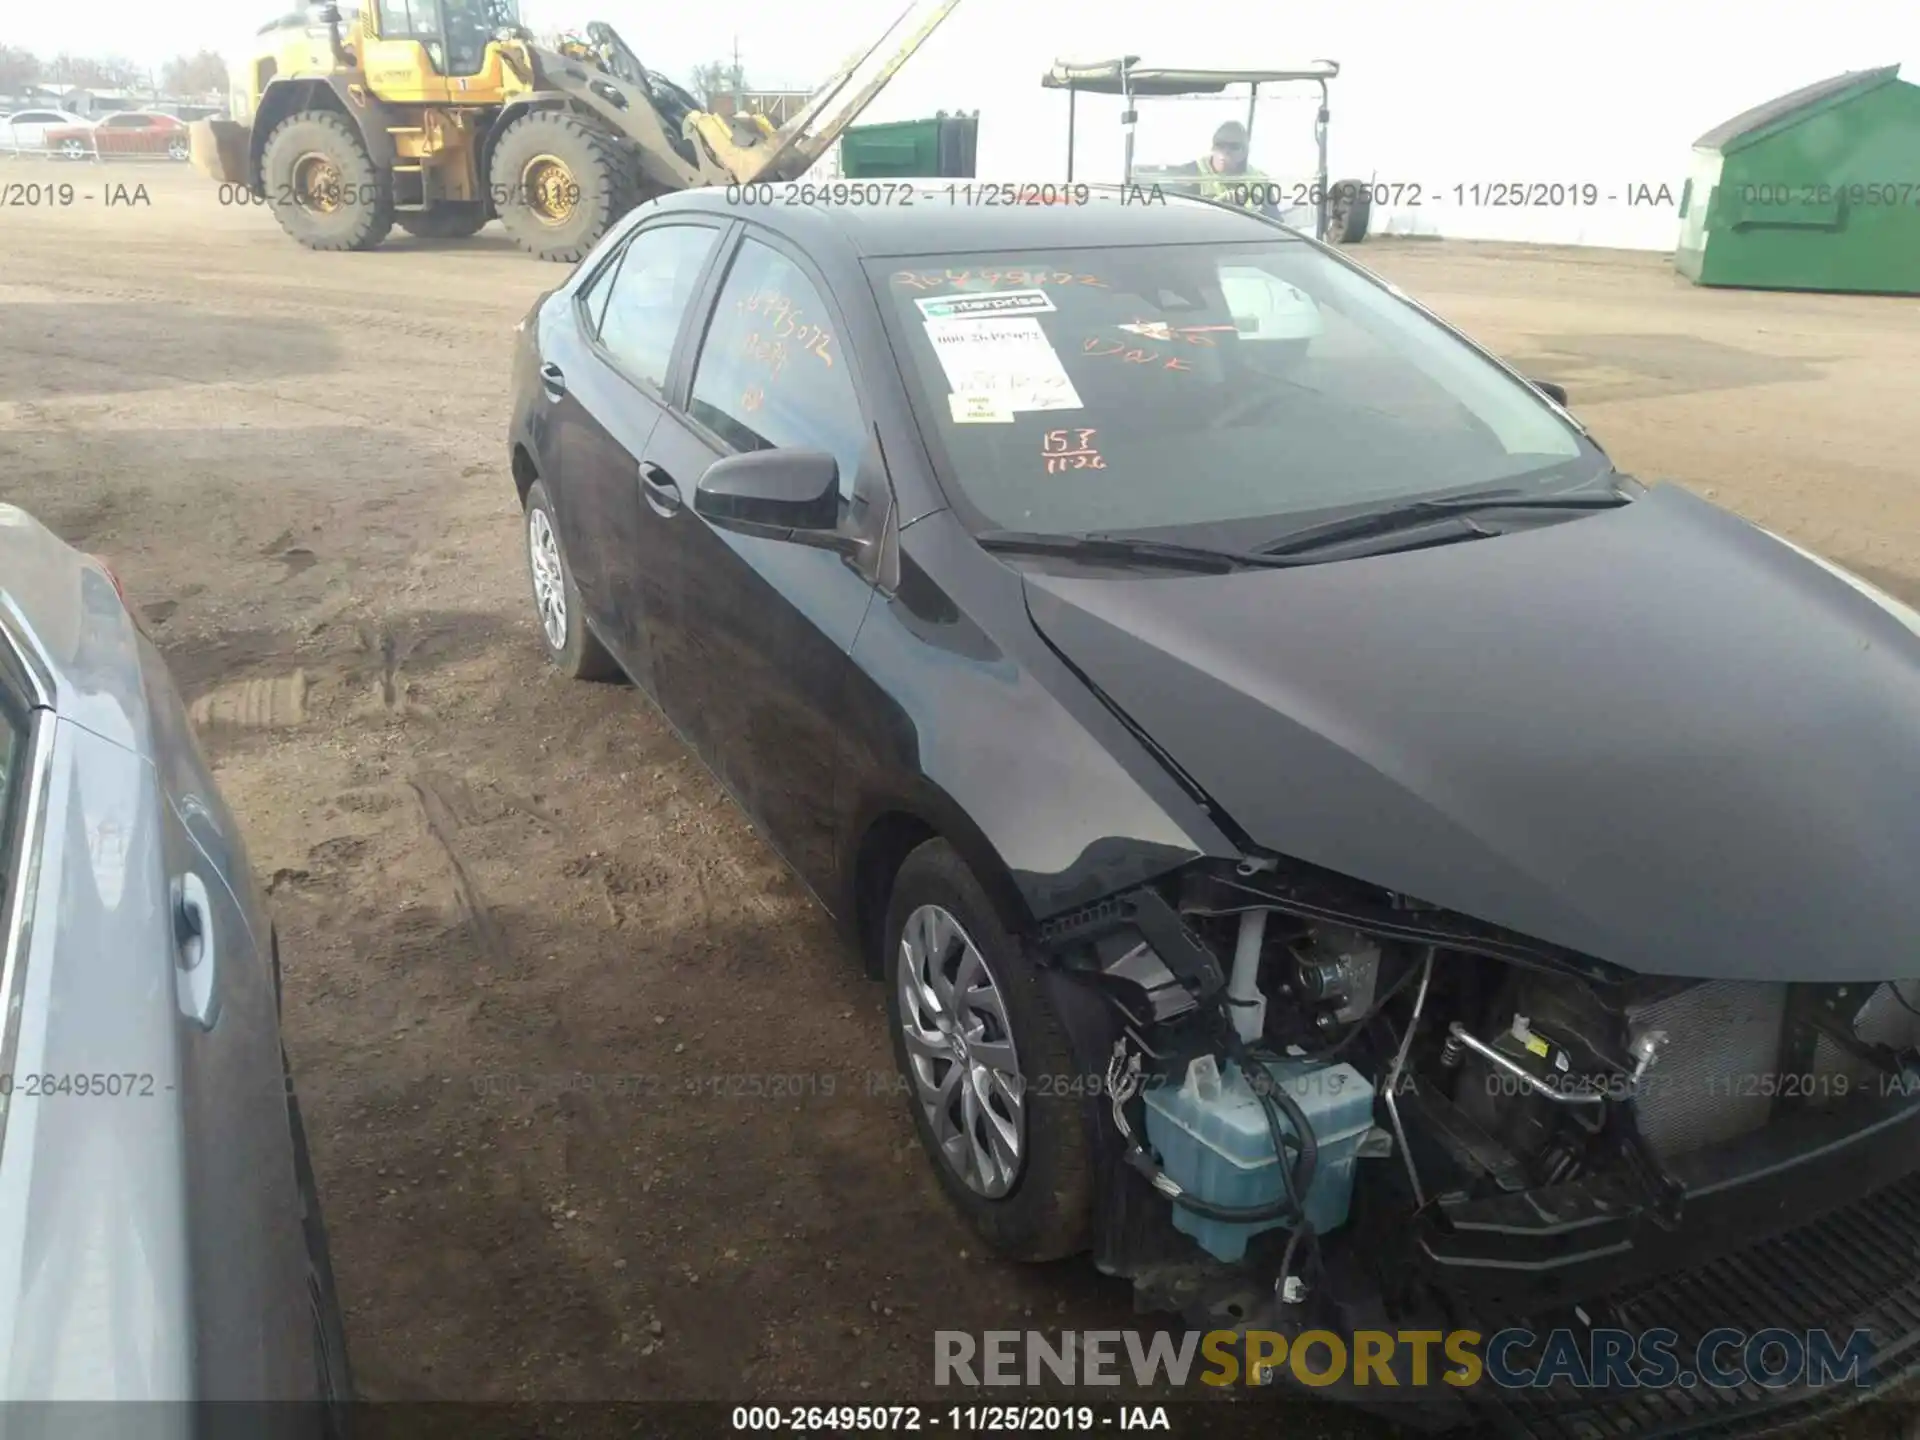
[1816, 190]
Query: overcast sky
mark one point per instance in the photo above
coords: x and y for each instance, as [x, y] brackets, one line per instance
[786, 42]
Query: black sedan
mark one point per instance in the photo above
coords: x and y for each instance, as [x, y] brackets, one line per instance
[1336, 848]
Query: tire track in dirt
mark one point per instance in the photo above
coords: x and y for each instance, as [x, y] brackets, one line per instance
[441, 823]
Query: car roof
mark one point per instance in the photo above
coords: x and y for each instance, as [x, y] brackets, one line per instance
[918, 217]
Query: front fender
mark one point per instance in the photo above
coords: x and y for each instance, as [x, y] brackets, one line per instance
[345, 94]
[964, 718]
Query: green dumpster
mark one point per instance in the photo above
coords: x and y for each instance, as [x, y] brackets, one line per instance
[1815, 190]
[941, 148]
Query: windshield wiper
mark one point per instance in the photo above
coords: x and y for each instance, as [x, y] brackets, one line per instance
[1128, 548]
[1375, 522]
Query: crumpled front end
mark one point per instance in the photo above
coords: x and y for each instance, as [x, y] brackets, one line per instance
[1329, 1106]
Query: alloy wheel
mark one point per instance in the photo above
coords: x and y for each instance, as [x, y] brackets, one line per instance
[960, 1051]
[549, 581]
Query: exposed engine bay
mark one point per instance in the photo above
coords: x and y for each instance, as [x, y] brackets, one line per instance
[1316, 1092]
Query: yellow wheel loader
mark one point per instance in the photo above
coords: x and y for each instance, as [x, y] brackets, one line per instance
[440, 115]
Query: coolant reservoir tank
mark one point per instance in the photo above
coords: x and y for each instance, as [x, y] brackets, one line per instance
[1203, 1081]
[1212, 1138]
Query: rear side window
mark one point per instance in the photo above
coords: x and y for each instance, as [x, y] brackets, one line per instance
[771, 373]
[648, 297]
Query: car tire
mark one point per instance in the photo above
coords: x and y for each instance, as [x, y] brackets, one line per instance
[332, 1363]
[74, 150]
[321, 150]
[569, 644]
[178, 150]
[1044, 1202]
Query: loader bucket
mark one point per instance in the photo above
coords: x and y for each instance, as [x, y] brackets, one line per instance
[219, 150]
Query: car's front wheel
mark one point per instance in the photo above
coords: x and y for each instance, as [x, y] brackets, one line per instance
[569, 644]
[986, 1063]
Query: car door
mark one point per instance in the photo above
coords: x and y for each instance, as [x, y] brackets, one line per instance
[118, 134]
[611, 393]
[33, 127]
[750, 635]
[26, 130]
[150, 136]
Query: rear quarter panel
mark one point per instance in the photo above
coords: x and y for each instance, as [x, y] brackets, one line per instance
[246, 1247]
[95, 1285]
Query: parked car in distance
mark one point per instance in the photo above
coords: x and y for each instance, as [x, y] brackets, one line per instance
[27, 130]
[160, 1230]
[124, 134]
[1336, 847]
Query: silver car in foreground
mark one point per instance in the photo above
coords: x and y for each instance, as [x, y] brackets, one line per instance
[160, 1237]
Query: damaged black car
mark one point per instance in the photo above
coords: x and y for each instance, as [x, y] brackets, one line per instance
[1336, 848]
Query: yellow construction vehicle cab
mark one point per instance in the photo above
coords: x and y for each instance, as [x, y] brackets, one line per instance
[439, 115]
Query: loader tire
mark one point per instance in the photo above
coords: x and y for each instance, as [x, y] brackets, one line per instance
[324, 188]
[559, 184]
[454, 220]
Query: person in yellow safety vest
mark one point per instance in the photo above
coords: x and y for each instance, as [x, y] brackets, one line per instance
[1225, 176]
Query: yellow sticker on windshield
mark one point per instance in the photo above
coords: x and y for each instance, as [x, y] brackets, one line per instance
[980, 408]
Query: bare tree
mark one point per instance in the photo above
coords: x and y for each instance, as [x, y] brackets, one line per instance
[87, 73]
[199, 74]
[716, 79]
[18, 69]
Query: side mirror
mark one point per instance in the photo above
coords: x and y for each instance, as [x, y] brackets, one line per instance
[772, 490]
[1554, 392]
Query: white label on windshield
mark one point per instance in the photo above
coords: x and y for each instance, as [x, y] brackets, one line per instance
[1011, 360]
[975, 408]
[1006, 302]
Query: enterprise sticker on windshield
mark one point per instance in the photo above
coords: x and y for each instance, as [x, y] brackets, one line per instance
[966, 307]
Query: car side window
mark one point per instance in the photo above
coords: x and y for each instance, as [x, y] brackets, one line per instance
[13, 762]
[649, 294]
[771, 373]
[127, 122]
[593, 295]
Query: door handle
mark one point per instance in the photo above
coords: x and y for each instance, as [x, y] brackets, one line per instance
[553, 379]
[196, 957]
[662, 494]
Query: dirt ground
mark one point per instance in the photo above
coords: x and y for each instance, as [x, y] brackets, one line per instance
[528, 944]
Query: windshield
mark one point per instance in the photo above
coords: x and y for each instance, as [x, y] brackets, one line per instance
[1159, 387]
[455, 32]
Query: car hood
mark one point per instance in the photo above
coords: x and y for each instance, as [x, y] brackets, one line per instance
[1656, 735]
